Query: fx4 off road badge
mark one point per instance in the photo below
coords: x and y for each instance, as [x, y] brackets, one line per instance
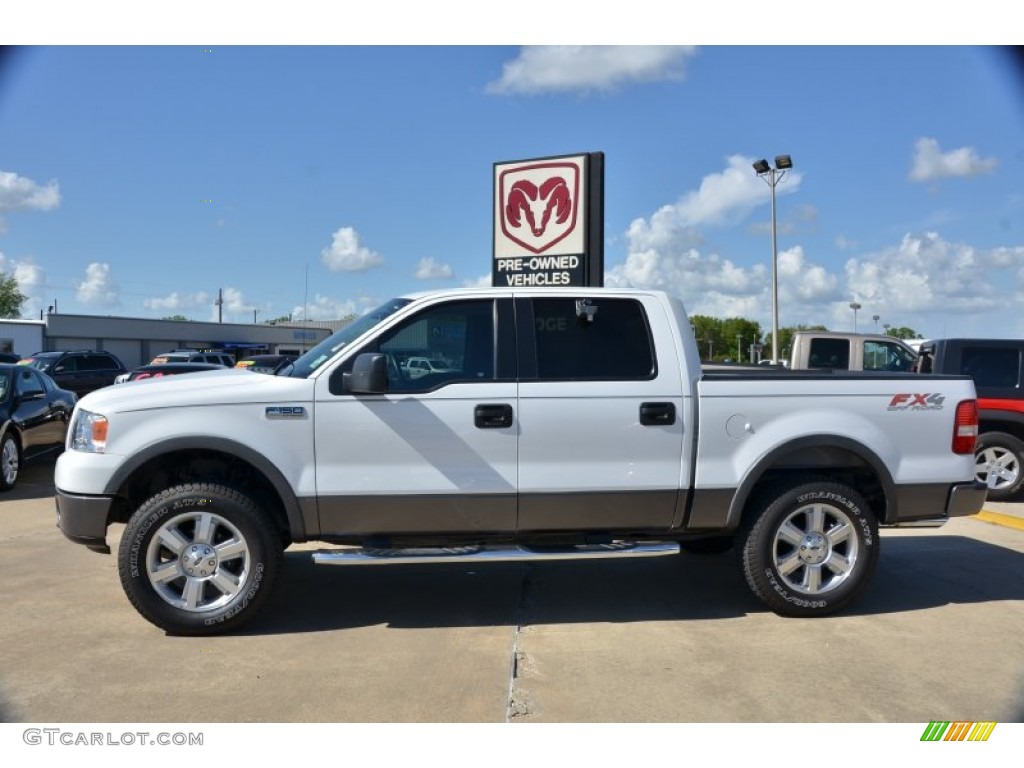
[907, 401]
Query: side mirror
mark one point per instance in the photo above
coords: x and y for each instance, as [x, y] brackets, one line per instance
[369, 375]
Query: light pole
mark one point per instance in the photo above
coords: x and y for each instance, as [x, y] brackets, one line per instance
[772, 175]
[739, 347]
[854, 306]
[875, 318]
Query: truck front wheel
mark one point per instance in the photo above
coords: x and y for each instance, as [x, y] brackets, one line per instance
[199, 559]
[811, 550]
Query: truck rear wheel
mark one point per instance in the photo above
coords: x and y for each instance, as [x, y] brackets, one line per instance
[999, 459]
[199, 559]
[811, 550]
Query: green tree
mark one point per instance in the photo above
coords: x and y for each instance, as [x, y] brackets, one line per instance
[11, 297]
[738, 334]
[176, 317]
[719, 339]
[902, 333]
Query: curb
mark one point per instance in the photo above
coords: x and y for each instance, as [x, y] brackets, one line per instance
[998, 518]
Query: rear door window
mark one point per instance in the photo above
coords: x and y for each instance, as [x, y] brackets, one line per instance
[995, 368]
[830, 353]
[601, 340]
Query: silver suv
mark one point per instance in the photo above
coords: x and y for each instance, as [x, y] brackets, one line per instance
[215, 356]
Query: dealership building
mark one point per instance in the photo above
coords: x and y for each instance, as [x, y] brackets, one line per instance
[136, 341]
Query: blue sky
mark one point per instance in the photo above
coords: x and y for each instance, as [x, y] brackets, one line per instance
[317, 181]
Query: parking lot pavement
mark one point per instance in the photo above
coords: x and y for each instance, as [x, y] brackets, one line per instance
[939, 635]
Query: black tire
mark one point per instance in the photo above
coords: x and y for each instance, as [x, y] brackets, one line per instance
[10, 461]
[999, 459]
[811, 550]
[199, 559]
[711, 545]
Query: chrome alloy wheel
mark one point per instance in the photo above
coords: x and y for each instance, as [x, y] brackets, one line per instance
[9, 461]
[996, 466]
[198, 561]
[815, 548]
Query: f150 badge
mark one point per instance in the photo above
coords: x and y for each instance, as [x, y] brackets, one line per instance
[285, 412]
[906, 401]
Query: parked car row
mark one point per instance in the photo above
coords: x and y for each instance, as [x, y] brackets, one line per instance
[38, 393]
[35, 413]
[80, 371]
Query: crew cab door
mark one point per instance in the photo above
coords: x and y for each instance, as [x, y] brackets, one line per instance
[601, 415]
[431, 453]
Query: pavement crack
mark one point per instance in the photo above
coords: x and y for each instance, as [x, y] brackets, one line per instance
[516, 705]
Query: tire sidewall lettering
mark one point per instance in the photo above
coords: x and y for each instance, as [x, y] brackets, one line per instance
[253, 524]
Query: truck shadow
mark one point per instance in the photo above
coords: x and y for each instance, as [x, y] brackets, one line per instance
[914, 573]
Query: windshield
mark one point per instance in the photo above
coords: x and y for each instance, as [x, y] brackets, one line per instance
[338, 340]
[39, 363]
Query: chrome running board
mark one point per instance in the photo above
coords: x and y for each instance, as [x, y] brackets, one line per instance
[495, 554]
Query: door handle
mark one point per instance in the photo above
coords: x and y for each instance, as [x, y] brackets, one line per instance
[496, 416]
[657, 414]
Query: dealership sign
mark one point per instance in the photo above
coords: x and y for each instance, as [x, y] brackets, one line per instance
[545, 212]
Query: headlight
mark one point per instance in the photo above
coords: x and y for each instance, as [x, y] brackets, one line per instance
[88, 432]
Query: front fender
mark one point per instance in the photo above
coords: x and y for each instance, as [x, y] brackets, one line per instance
[292, 505]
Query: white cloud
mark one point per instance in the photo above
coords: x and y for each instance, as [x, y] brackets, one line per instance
[722, 198]
[97, 289]
[429, 269]
[928, 275]
[326, 308]
[801, 282]
[664, 250]
[843, 243]
[931, 163]
[543, 68]
[20, 193]
[176, 303]
[483, 281]
[347, 254]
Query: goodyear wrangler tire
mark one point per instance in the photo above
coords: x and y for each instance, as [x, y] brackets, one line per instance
[812, 549]
[199, 559]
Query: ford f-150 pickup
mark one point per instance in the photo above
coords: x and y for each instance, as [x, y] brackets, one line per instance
[569, 423]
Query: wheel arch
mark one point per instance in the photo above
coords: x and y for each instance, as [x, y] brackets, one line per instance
[831, 457]
[10, 425]
[190, 459]
[993, 420]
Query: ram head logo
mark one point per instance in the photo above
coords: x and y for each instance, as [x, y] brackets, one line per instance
[538, 204]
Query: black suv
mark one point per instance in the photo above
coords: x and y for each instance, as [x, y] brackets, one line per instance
[997, 367]
[81, 371]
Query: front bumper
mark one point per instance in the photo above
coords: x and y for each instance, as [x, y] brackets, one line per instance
[84, 519]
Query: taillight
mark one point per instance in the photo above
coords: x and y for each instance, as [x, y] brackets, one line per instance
[965, 427]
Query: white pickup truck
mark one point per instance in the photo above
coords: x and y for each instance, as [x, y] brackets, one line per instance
[571, 423]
